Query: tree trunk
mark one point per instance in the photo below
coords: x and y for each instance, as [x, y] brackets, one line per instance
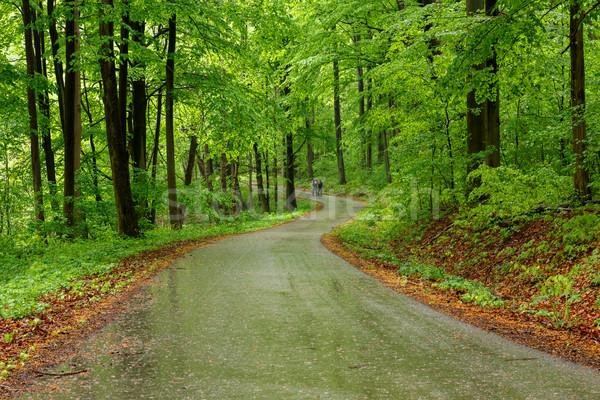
[578, 102]
[95, 170]
[175, 216]
[492, 139]
[58, 66]
[117, 143]
[155, 148]
[44, 107]
[483, 119]
[262, 198]
[209, 168]
[72, 109]
[290, 174]
[310, 155]
[268, 180]
[360, 80]
[338, 123]
[124, 66]
[223, 172]
[368, 132]
[189, 169]
[139, 124]
[32, 109]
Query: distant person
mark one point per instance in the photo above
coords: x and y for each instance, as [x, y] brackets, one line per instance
[315, 187]
[320, 188]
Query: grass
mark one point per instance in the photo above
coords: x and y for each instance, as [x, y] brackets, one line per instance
[31, 269]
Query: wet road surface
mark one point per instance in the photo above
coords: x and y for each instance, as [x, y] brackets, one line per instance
[274, 315]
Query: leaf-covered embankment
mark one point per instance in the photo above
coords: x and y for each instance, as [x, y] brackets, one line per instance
[534, 278]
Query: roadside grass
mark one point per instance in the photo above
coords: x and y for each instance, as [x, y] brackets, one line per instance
[374, 243]
[31, 268]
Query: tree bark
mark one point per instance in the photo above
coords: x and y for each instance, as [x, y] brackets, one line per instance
[338, 123]
[58, 66]
[155, 148]
[209, 168]
[44, 107]
[124, 66]
[117, 142]
[578, 101]
[175, 216]
[189, 169]
[290, 174]
[72, 109]
[262, 198]
[32, 109]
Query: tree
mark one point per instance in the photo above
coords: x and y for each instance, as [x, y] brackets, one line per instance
[576, 43]
[338, 123]
[175, 216]
[117, 142]
[28, 22]
[72, 110]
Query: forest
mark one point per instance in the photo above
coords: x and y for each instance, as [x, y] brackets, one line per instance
[471, 127]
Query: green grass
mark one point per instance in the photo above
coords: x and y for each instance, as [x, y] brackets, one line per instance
[31, 268]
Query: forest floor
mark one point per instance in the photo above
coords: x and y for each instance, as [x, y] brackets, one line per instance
[536, 282]
[82, 301]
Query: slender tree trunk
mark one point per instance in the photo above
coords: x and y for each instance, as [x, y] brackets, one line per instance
[155, 148]
[223, 172]
[124, 66]
[262, 198]
[32, 109]
[368, 132]
[250, 203]
[578, 101]
[360, 80]
[290, 174]
[94, 156]
[338, 123]
[492, 139]
[58, 66]
[117, 142]
[275, 178]
[268, 180]
[44, 107]
[209, 168]
[189, 169]
[310, 154]
[174, 208]
[139, 111]
[235, 186]
[72, 109]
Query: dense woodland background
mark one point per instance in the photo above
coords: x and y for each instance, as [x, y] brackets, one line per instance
[117, 112]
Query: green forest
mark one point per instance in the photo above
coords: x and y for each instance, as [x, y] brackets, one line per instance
[471, 128]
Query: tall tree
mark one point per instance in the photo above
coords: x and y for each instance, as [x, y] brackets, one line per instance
[175, 217]
[262, 198]
[117, 142]
[72, 110]
[576, 42]
[483, 116]
[28, 23]
[337, 110]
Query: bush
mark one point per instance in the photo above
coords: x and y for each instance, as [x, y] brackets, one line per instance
[506, 193]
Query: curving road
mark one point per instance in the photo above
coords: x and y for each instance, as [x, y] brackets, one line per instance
[274, 315]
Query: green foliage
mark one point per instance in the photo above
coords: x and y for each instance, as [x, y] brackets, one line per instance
[509, 193]
[579, 232]
[559, 293]
[415, 269]
[471, 292]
